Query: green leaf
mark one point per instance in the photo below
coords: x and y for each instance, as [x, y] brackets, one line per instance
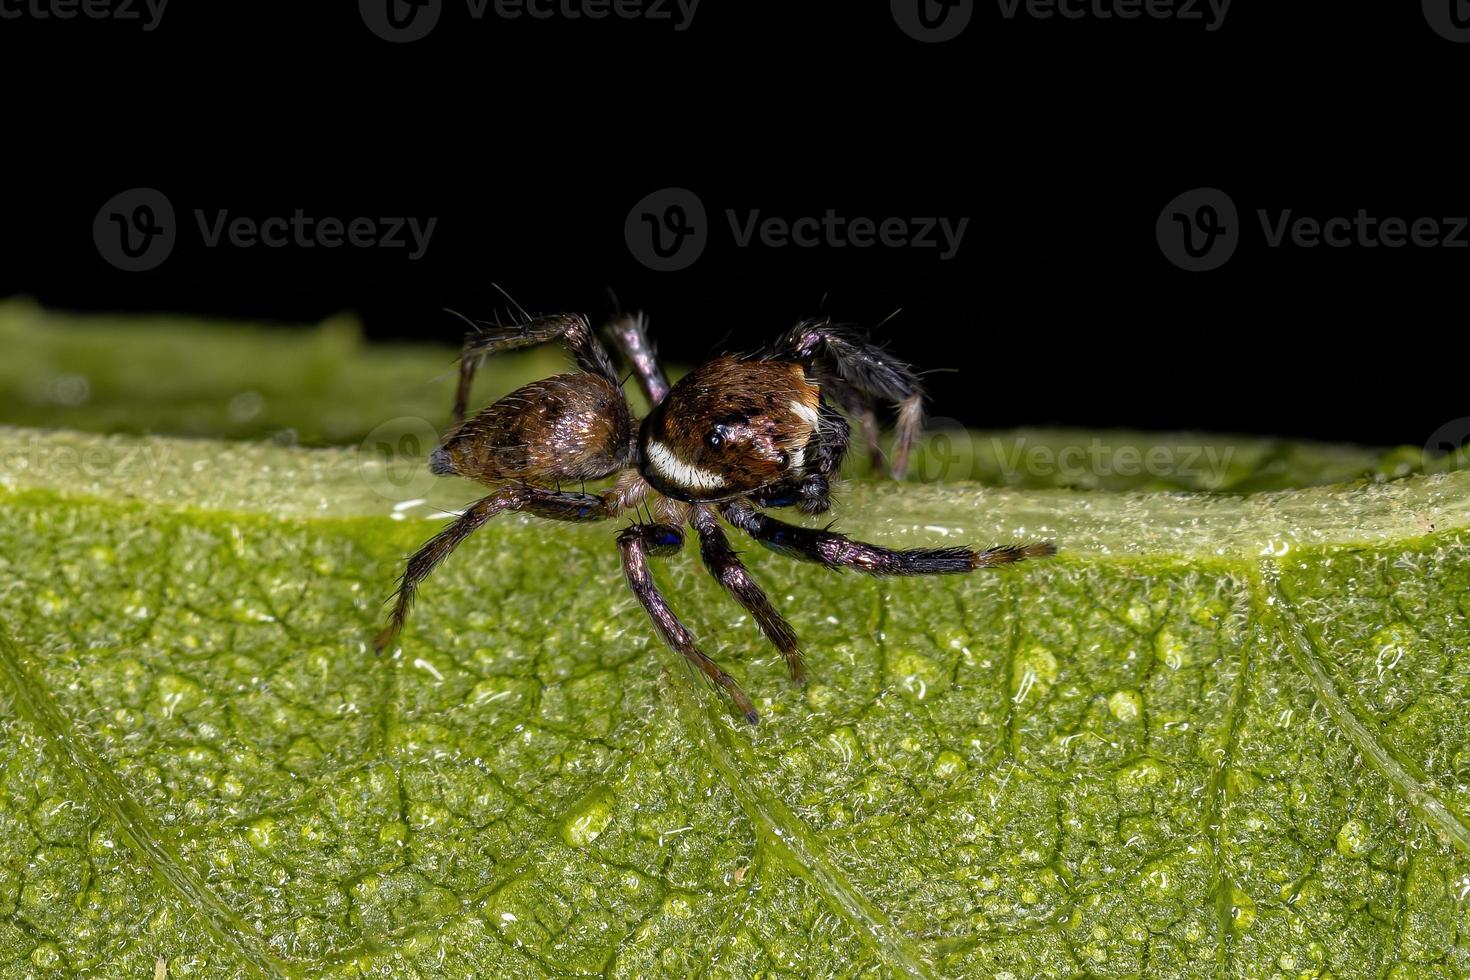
[1220, 735]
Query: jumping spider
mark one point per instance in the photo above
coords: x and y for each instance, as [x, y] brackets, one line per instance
[735, 435]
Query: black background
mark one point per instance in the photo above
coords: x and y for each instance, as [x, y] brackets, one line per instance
[1061, 140]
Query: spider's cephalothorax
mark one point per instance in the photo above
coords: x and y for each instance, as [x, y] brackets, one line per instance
[735, 435]
[731, 427]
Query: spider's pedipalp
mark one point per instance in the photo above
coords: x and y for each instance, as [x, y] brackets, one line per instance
[812, 492]
[637, 542]
[725, 565]
[860, 407]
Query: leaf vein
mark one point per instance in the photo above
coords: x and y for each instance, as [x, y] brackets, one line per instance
[1381, 756]
[34, 702]
[792, 841]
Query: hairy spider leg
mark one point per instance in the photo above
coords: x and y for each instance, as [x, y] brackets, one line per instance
[532, 500]
[571, 328]
[837, 551]
[869, 369]
[725, 565]
[629, 332]
[637, 542]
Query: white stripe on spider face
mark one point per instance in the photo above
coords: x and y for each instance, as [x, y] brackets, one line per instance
[680, 473]
[805, 412]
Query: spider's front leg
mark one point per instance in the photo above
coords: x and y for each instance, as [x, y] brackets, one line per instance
[868, 370]
[838, 551]
[638, 542]
[725, 565]
[533, 500]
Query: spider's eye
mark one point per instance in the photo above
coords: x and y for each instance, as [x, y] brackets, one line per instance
[714, 440]
[782, 461]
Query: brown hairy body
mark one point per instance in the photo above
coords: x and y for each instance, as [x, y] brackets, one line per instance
[566, 428]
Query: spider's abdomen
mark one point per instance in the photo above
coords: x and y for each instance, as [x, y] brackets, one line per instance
[730, 427]
[565, 428]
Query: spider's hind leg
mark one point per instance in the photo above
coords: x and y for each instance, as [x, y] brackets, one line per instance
[869, 370]
[532, 500]
[571, 328]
